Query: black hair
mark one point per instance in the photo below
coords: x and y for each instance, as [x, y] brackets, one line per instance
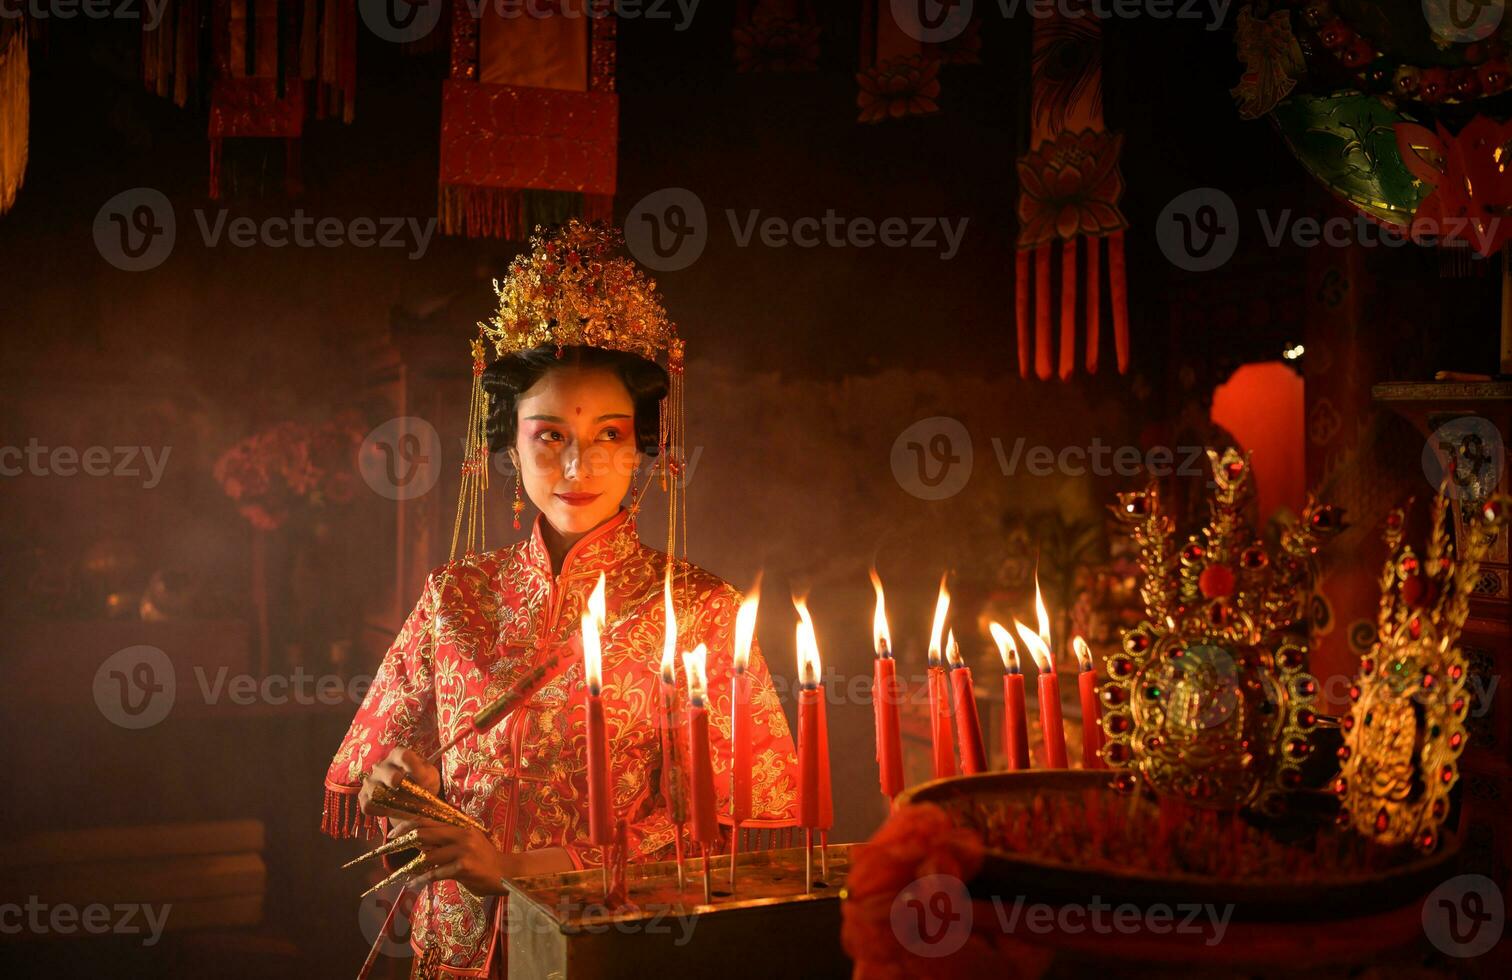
[511, 376]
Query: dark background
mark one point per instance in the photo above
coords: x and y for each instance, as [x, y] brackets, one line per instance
[806, 363]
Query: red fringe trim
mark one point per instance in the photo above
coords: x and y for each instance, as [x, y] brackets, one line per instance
[1021, 296]
[495, 212]
[1042, 363]
[1094, 301]
[342, 817]
[1120, 293]
[1068, 309]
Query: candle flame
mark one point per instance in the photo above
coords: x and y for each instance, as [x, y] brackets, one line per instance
[695, 664]
[1083, 653]
[1040, 612]
[593, 622]
[937, 631]
[745, 627]
[1007, 649]
[953, 651]
[1039, 650]
[881, 635]
[808, 645]
[669, 641]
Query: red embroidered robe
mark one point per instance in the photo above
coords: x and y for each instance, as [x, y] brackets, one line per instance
[486, 619]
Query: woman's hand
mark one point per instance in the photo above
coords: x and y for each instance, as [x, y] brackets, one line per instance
[467, 856]
[399, 764]
[463, 854]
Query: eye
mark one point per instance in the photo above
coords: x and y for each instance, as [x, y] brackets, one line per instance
[610, 433]
[549, 435]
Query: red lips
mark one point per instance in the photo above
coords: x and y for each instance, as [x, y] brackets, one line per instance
[578, 499]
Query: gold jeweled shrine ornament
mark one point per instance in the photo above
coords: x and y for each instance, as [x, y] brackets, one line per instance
[1406, 730]
[1210, 700]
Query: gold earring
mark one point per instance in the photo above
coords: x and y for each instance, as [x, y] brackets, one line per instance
[519, 502]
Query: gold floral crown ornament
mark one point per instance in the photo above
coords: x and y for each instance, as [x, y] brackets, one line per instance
[1210, 700]
[572, 288]
[1406, 729]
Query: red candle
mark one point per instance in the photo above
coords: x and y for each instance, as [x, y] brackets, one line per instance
[1015, 719]
[740, 710]
[815, 806]
[600, 827]
[671, 775]
[939, 692]
[1052, 729]
[885, 700]
[968, 725]
[705, 823]
[1086, 682]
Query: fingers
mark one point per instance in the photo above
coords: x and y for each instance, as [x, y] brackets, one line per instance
[448, 870]
[402, 826]
[440, 834]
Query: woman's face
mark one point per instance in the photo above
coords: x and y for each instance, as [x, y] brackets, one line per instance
[575, 448]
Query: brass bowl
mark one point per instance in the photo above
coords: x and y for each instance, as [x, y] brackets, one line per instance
[1009, 875]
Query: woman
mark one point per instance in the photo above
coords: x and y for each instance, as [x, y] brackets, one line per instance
[577, 415]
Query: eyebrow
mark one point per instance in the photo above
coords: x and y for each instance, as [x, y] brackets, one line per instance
[558, 418]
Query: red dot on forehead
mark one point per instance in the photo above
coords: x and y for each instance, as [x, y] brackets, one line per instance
[580, 410]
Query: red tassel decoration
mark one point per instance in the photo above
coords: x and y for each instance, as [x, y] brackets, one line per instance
[1042, 366]
[1021, 296]
[1094, 301]
[1068, 308]
[1120, 299]
[342, 817]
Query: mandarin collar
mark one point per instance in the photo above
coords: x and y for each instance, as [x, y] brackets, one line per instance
[595, 551]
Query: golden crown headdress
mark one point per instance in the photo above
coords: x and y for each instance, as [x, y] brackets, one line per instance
[1406, 729]
[1210, 699]
[572, 289]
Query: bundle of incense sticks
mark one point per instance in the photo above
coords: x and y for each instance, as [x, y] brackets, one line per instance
[413, 799]
[1100, 831]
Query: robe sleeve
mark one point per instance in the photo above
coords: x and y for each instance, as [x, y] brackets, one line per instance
[774, 760]
[398, 710]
